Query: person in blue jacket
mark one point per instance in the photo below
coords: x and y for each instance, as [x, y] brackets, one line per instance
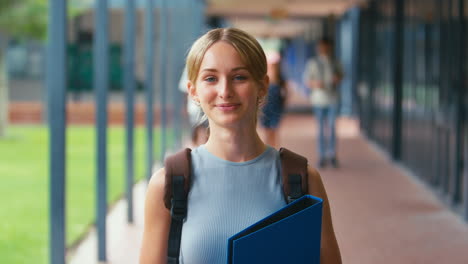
[236, 177]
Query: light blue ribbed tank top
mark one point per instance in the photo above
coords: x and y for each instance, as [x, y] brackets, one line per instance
[226, 197]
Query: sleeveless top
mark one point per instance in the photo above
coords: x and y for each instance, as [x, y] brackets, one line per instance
[226, 197]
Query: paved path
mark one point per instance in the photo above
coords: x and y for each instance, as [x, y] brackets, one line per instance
[381, 213]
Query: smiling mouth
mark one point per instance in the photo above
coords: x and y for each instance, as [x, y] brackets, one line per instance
[227, 107]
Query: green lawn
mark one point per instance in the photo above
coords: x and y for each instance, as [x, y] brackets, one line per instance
[24, 162]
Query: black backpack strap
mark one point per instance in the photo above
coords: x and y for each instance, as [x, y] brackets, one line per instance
[294, 172]
[178, 170]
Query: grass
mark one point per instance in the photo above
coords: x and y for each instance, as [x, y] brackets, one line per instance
[24, 187]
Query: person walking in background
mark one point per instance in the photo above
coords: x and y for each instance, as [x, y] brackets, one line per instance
[322, 75]
[273, 108]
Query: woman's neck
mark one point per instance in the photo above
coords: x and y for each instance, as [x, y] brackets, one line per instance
[235, 144]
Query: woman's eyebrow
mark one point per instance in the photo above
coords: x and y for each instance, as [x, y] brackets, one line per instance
[209, 70]
[239, 68]
[233, 70]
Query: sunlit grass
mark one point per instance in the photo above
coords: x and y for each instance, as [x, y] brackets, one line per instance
[24, 200]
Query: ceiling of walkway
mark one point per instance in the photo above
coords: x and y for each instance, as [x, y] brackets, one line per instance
[283, 18]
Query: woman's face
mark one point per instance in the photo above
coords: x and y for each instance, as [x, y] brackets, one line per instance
[225, 88]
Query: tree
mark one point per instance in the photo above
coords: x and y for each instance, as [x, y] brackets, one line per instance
[18, 19]
[23, 19]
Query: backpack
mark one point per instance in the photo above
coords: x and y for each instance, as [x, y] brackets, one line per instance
[177, 186]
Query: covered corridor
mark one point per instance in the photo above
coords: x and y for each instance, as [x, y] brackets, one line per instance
[400, 194]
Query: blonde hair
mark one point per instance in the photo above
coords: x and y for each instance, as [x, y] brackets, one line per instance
[249, 49]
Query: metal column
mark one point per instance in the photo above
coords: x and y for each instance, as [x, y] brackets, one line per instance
[199, 16]
[176, 58]
[459, 111]
[372, 70]
[129, 86]
[149, 34]
[3, 87]
[463, 166]
[464, 55]
[101, 84]
[56, 84]
[163, 81]
[398, 80]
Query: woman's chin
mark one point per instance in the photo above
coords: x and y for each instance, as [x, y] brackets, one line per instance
[232, 122]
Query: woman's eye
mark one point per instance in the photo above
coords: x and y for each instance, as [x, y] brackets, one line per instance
[240, 78]
[210, 79]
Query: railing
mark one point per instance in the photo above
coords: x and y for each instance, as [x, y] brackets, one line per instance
[413, 65]
[175, 30]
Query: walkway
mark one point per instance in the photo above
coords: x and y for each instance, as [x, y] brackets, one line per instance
[381, 214]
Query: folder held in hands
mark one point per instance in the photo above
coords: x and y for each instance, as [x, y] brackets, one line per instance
[289, 235]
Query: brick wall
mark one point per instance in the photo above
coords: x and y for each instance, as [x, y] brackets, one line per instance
[77, 113]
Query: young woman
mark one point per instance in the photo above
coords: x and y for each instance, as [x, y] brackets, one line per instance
[236, 178]
[272, 110]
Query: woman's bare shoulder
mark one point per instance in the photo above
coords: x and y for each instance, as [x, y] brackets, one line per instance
[157, 180]
[156, 188]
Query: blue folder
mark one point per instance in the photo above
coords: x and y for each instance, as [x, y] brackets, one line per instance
[289, 235]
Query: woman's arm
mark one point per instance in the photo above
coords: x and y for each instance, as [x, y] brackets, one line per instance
[329, 252]
[157, 222]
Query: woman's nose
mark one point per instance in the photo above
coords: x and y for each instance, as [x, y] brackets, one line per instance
[225, 88]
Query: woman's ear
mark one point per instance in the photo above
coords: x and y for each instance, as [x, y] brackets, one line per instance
[192, 91]
[264, 86]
